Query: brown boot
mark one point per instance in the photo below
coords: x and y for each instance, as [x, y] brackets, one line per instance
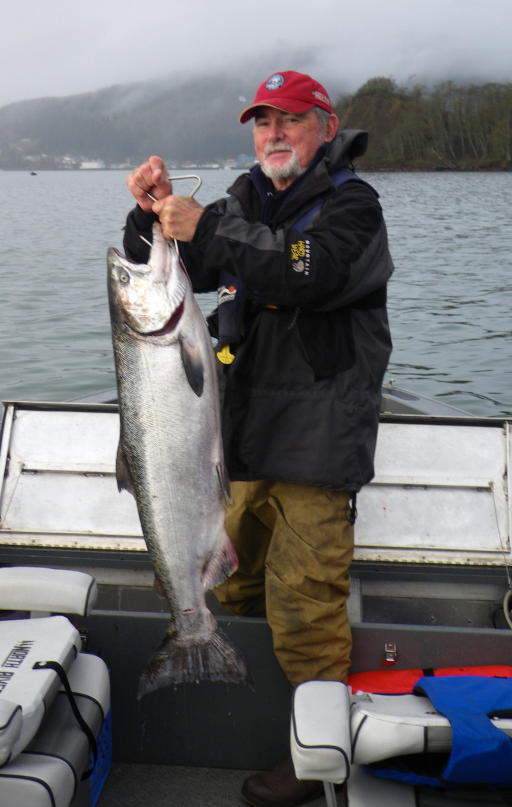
[279, 788]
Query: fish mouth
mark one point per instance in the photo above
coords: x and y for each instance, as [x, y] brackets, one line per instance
[171, 323]
[169, 326]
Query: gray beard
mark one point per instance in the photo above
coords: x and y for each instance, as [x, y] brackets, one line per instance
[289, 170]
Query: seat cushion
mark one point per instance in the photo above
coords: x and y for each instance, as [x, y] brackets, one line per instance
[59, 591]
[23, 643]
[320, 731]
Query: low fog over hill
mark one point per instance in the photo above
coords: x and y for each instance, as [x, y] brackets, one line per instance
[448, 126]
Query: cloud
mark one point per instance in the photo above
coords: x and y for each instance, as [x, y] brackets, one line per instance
[56, 48]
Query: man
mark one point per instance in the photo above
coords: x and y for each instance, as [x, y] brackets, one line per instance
[300, 244]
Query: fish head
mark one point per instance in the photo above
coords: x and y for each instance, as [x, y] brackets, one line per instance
[147, 299]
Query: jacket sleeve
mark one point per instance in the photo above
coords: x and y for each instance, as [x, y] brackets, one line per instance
[204, 277]
[138, 223]
[340, 259]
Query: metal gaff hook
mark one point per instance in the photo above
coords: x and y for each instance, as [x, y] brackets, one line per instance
[198, 184]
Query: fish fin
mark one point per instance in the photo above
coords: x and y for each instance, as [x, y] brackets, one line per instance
[123, 476]
[174, 663]
[223, 482]
[221, 564]
[193, 366]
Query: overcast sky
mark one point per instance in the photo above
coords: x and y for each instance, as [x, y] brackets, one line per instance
[53, 47]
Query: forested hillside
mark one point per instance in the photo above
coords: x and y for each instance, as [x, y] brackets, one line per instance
[446, 127]
[449, 126]
[121, 125]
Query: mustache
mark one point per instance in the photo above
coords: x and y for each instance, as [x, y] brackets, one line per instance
[270, 147]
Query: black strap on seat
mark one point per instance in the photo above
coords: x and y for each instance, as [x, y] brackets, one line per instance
[56, 667]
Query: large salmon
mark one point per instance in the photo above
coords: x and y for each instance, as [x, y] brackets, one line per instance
[170, 456]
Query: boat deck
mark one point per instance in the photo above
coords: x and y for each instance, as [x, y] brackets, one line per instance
[168, 786]
[133, 785]
[432, 558]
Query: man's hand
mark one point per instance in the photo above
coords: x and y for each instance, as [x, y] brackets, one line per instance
[179, 216]
[150, 177]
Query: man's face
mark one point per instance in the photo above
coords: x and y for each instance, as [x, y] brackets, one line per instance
[285, 143]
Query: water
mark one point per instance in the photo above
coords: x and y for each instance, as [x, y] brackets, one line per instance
[449, 301]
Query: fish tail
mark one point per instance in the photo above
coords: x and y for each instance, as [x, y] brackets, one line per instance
[179, 663]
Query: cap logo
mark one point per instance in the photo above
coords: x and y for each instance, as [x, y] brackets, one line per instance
[274, 82]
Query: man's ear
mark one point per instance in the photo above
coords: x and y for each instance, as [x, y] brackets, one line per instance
[332, 127]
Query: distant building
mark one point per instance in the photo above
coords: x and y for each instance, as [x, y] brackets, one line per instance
[91, 165]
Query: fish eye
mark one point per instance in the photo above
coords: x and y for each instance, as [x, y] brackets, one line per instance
[124, 277]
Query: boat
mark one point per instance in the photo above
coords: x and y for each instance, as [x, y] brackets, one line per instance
[430, 581]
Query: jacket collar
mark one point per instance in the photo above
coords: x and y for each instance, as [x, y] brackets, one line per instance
[277, 206]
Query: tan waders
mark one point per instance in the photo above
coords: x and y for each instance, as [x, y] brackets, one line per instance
[294, 546]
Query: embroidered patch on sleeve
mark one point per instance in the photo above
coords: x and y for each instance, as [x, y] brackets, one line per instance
[300, 256]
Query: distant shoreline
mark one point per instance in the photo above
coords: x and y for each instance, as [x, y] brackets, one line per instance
[368, 169]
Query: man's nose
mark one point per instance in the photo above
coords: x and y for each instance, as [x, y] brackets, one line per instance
[276, 130]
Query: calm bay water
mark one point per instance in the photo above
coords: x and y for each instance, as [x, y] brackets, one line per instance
[450, 299]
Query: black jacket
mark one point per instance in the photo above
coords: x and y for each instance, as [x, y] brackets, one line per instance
[302, 397]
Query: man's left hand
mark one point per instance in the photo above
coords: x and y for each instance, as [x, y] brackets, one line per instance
[179, 216]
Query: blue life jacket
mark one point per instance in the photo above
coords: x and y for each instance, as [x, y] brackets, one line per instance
[481, 753]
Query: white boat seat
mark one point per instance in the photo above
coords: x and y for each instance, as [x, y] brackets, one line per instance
[49, 770]
[25, 692]
[334, 734]
[384, 726]
[320, 734]
[61, 591]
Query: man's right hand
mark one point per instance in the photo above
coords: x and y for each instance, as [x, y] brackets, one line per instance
[150, 177]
